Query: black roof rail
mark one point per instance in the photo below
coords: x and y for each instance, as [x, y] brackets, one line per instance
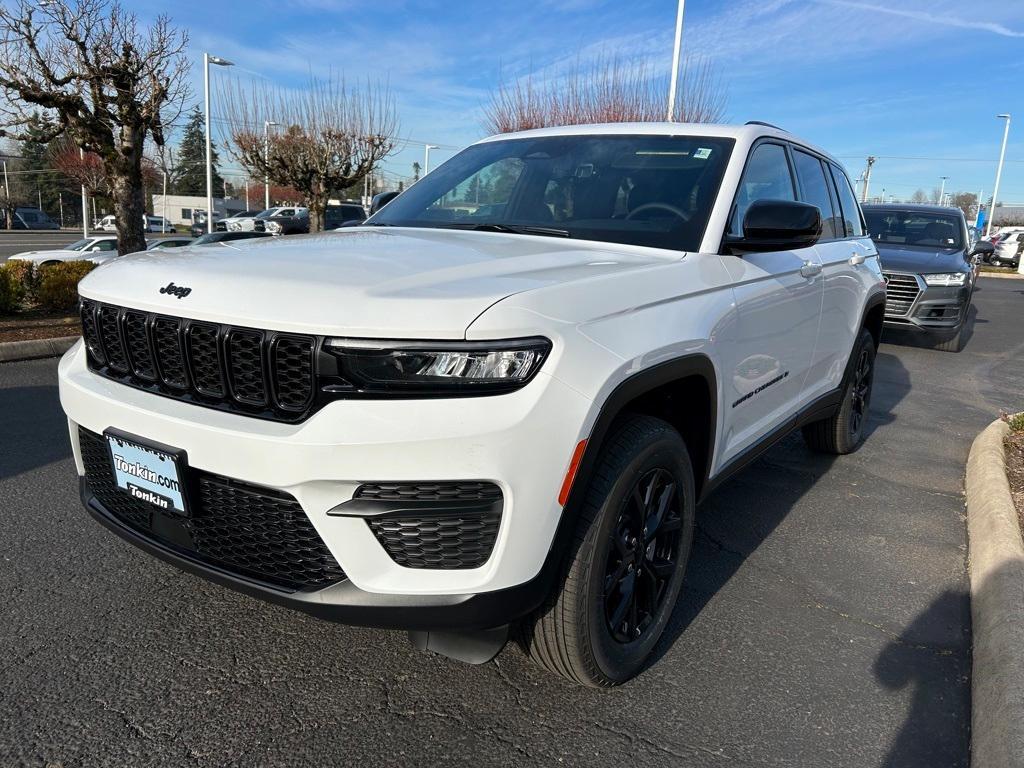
[766, 125]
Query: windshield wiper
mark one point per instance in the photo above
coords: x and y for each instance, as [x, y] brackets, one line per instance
[516, 229]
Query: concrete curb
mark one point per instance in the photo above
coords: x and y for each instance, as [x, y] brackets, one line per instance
[32, 349]
[1002, 275]
[997, 606]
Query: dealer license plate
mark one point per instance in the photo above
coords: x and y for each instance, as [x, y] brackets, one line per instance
[147, 473]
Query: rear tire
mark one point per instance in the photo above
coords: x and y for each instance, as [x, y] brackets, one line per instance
[843, 432]
[622, 576]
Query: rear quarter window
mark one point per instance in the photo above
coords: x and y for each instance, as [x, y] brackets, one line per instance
[852, 221]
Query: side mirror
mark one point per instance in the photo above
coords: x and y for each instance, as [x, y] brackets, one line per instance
[380, 200]
[778, 225]
[982, 248]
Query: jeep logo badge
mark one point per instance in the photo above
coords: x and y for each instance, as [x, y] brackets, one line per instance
[176, 290]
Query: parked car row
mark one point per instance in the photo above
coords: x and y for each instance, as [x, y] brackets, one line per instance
[1008, 246]
[100, 249]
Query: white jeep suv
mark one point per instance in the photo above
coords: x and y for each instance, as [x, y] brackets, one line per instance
[497, 403]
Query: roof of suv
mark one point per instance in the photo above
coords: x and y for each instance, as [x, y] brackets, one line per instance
[922, 207]
[741, 133]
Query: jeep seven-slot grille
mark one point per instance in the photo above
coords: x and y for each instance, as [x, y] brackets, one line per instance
[900, 293]
[254, 532]
[260, 373]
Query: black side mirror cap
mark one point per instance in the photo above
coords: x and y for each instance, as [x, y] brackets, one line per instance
[777, 225]
[380, 200]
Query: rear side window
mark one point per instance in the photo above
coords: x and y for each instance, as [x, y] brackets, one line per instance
[814, 186]
[848, 202]
[766, 177]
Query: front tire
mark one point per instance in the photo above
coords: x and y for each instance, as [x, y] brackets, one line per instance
[622, 576]
[952, 343]
[843, 432]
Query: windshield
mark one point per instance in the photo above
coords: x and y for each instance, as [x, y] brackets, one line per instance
[915, 228]
[78, 245]
[267, 213]
[640, 190]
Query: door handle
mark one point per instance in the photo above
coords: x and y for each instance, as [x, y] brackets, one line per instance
[810, 269]
[857, 259]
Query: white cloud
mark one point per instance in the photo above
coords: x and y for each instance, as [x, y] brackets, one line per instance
[929, 17]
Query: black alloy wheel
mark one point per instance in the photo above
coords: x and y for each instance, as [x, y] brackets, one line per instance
[643, 556]
[624, 570]
[860, 391]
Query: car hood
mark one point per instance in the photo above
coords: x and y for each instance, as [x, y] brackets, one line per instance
[919, 260]
[359, 282]
[58, 253]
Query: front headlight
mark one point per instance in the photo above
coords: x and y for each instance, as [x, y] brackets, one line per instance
[434, 368]
[945, 279]
[273, 226]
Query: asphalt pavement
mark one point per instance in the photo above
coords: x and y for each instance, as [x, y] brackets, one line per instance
[824, 622]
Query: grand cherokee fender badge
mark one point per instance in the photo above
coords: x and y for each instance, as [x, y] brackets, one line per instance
[176, 290]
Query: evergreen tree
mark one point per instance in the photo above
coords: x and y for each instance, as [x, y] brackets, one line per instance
[190, 173]
[39, 187]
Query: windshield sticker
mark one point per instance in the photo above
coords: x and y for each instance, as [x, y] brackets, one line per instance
[702, 154]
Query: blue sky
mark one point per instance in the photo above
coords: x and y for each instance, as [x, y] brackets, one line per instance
[899, 79]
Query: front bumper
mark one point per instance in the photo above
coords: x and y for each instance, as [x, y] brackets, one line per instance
[522, 442]
[346, 603]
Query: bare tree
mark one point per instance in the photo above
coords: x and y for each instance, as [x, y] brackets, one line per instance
[100, 79]
[332, 138]
[611, 89]
[84, 168]
[966, 202]
[919, 196]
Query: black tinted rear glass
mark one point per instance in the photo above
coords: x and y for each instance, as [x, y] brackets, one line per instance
[915, 228]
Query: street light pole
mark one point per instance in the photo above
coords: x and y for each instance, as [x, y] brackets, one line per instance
[163, 226]
[266, 158]
[675, 62]
[999, 173]
[426, 157]
[942, 189]
[85, 200]
[207, 61]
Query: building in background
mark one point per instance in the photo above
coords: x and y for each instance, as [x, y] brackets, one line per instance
[181, 207]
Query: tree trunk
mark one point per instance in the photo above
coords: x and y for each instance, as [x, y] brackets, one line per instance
[129, 205]
[317, 212]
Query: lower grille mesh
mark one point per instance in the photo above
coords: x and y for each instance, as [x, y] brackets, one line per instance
[446, 542]
[254, 532]
[446, 525]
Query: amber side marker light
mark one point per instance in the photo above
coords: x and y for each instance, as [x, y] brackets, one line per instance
[570, 474]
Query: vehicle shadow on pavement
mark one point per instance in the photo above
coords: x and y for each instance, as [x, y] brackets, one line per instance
[932, 655]
[924, 341]
[32, 421]
[740, 515]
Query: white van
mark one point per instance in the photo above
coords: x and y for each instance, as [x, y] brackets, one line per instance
[149, 224]
[157, 224]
